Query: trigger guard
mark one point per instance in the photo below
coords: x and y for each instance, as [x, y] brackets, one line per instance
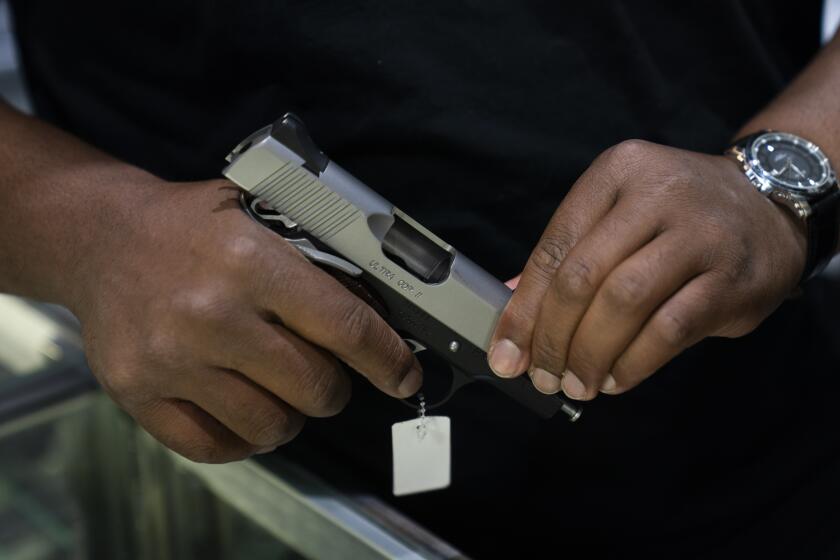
[459, 379]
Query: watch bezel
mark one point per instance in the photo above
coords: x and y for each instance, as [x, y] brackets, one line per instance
[767, 182]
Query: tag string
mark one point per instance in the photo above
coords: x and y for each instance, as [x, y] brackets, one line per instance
[421, 427]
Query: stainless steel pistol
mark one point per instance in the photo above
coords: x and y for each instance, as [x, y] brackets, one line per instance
[438, 300]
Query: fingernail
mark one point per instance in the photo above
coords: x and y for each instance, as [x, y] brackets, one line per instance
[572, 386]
[504, 357]
[544, 381]
[609, 384]
[265, 450]
[411, 383]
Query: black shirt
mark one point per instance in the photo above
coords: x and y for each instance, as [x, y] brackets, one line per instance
[476, 118]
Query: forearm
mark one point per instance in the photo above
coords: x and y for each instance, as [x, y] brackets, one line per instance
[57, 205]
[810, 106]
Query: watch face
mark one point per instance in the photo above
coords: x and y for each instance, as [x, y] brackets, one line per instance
[790, 162]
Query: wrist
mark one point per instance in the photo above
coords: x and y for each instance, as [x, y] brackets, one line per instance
[61, 204]
[787, 233]
[120, 222]
[84, 223]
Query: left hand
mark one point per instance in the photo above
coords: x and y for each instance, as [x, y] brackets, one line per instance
[653, 250]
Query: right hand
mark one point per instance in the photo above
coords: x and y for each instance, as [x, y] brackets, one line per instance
[216, 335]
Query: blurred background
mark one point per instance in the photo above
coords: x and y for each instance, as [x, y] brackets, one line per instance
[11, 84]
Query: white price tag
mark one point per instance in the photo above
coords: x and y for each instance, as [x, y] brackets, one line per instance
[422, 454]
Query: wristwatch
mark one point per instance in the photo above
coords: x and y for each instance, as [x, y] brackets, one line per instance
[796, 174]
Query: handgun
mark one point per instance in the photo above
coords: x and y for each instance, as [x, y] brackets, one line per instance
[442, 304]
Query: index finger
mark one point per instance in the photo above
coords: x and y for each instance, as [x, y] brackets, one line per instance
[318, 308]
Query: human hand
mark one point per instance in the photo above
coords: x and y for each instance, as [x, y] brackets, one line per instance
[217, 335]
[653, 250]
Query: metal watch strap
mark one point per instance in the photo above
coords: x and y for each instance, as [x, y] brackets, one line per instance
[822, 225]
[823, 233]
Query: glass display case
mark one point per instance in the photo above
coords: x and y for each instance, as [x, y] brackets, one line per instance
[79, 480]
[11, 83]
